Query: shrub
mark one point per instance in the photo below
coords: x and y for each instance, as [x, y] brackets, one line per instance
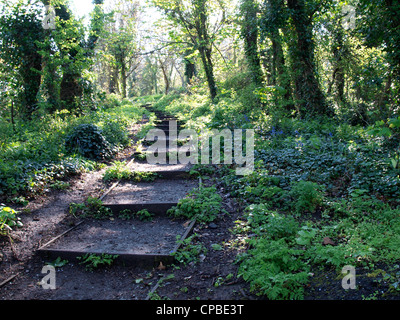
[88, 141]
[93, 207]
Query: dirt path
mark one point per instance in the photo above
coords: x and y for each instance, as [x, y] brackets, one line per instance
[212, 278]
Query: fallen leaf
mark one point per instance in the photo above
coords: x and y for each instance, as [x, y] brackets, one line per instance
[327, 241]
[161, 266]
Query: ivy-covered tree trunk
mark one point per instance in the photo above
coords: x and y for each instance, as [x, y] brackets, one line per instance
[338, 75]
[204, 46]
[249, 33]
[21, 31]
[310, 98]
[190, 67]
[273, 21]
[281, 75]
[205, 54]
[70, 88]
[30, 72]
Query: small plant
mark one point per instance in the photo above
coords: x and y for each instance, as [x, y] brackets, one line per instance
[59, 185]
[201, 170]
[203, 203]
[117, 171]
[20, 200]
[58, 263]
[189, 252]
[138, 176]
[125, 214]
[270, 223]
[273, 269]
[307, 196]
[144, 215]
[93, 207]
[94, 261]
[8, 220]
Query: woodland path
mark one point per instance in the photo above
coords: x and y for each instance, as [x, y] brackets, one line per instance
[21, 264]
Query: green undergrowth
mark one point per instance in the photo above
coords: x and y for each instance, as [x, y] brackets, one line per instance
[324, 194]
[119, 171]
[203, 204]
[55, 146]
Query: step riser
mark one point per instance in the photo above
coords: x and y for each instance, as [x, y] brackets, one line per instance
[154, 208]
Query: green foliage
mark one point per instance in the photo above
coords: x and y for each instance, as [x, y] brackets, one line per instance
[117, 171]
[307, 196]
[34, 156]
[274, 269]
[144, 215]
[8, 220]
[199, 170]
[88, 141]
[269, 223]
[138, 176]
[92, 208]
[190, 250]
[94, 261]
[203, 203]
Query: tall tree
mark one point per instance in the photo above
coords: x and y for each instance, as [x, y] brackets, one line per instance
[273, 22]
[21, 30]
[310, 99]
[249, 32]
[75, 52]
[192, 17]
[119, 45]
[379, 23]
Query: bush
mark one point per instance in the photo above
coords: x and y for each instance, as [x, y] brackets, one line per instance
[88, 141]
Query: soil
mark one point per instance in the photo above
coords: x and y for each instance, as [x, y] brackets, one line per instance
[119, 236]
[170, 191]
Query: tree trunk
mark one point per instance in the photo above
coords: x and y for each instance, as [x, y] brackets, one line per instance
[338, 75]
[123, 77]
[281, 76]
[190, 67]
[205, 55]
[250, 35]
[204, 46]
[165, 76]
[310, 97]
[31, 80]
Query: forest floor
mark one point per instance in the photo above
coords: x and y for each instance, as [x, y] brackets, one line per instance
[214, 277]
